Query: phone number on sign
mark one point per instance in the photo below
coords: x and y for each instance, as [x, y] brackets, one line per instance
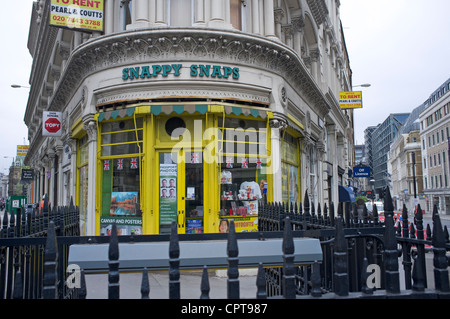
[72, 22]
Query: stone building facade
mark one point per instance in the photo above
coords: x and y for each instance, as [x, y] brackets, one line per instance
[231, 101]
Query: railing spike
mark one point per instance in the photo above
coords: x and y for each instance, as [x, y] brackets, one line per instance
[113, 256]
[82, 291]
[18, 285]
[288, 264]
[49, 289]
[341, 284]
[261, 292]
[204, 285]
[316, 280]
[174, 262]
[405, 221]
[440, 261]
[233, 260]
[390, 242]
[145, 285]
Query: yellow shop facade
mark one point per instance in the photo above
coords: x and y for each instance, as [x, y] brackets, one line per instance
[193, 123]
[196, 164]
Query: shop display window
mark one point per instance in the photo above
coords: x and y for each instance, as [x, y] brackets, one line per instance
[242, 186]
[243, 176]
[120, 137]
[82, 167]
[290, 169]
[121, 176]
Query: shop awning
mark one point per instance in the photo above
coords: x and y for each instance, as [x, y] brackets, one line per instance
[238, 110]
[346, 194]
[116, 113]
[180, 109]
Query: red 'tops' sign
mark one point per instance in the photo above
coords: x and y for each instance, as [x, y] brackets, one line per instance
[52, 125]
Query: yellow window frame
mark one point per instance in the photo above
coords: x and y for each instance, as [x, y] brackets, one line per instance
[100, 158]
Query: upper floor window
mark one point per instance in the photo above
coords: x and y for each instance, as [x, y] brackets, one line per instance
[125, 13]
[236, 14]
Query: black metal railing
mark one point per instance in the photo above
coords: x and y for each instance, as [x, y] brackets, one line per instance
[23, 248]
[361, 256]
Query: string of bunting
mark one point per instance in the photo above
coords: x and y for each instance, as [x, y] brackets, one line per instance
[133, 163]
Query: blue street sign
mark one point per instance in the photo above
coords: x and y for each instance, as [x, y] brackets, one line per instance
[361, 171]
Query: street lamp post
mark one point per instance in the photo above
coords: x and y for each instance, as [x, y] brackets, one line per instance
[413, 155]
[17, 86]
[365, 85]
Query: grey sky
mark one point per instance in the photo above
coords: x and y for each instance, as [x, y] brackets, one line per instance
[400, 47]
[15, 68]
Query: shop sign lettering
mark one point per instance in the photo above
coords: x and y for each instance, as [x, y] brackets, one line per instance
[195, 70]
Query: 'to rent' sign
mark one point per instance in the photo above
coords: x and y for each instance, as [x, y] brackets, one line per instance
[52, 124]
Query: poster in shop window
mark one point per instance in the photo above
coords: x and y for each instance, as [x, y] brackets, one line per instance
[123, 203]
[167, 193]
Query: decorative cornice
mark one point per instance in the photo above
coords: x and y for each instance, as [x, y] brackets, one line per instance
[168, 44]
[319, 10]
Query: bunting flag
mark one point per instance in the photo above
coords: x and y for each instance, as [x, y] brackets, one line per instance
[258, 163]
[106, 165]
[133, 163]
[230, 161]
[244, 162]
[120, 164]
[195, 158]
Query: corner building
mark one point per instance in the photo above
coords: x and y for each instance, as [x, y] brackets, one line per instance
[190, 111]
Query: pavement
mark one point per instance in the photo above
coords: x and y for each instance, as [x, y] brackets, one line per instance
[130, 285]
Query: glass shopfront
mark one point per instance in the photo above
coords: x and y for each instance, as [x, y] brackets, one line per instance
[199, 166]
[121, 144]
[290, 173]
[243, 175]
[82, 190]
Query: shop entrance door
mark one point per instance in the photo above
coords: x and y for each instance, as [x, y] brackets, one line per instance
[181, 191]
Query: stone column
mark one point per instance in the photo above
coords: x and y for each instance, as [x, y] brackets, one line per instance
[51, 184]
[288, 32]
[73, 169]
[269, 19]
[199, 12]
[278, 17]
[218, 14]
[277, 124]
[141, 12]
[90, 126]
[59, 153]
[298, 24]
[217, 10]
[255, 17]
[109, 16]
[160, 10]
